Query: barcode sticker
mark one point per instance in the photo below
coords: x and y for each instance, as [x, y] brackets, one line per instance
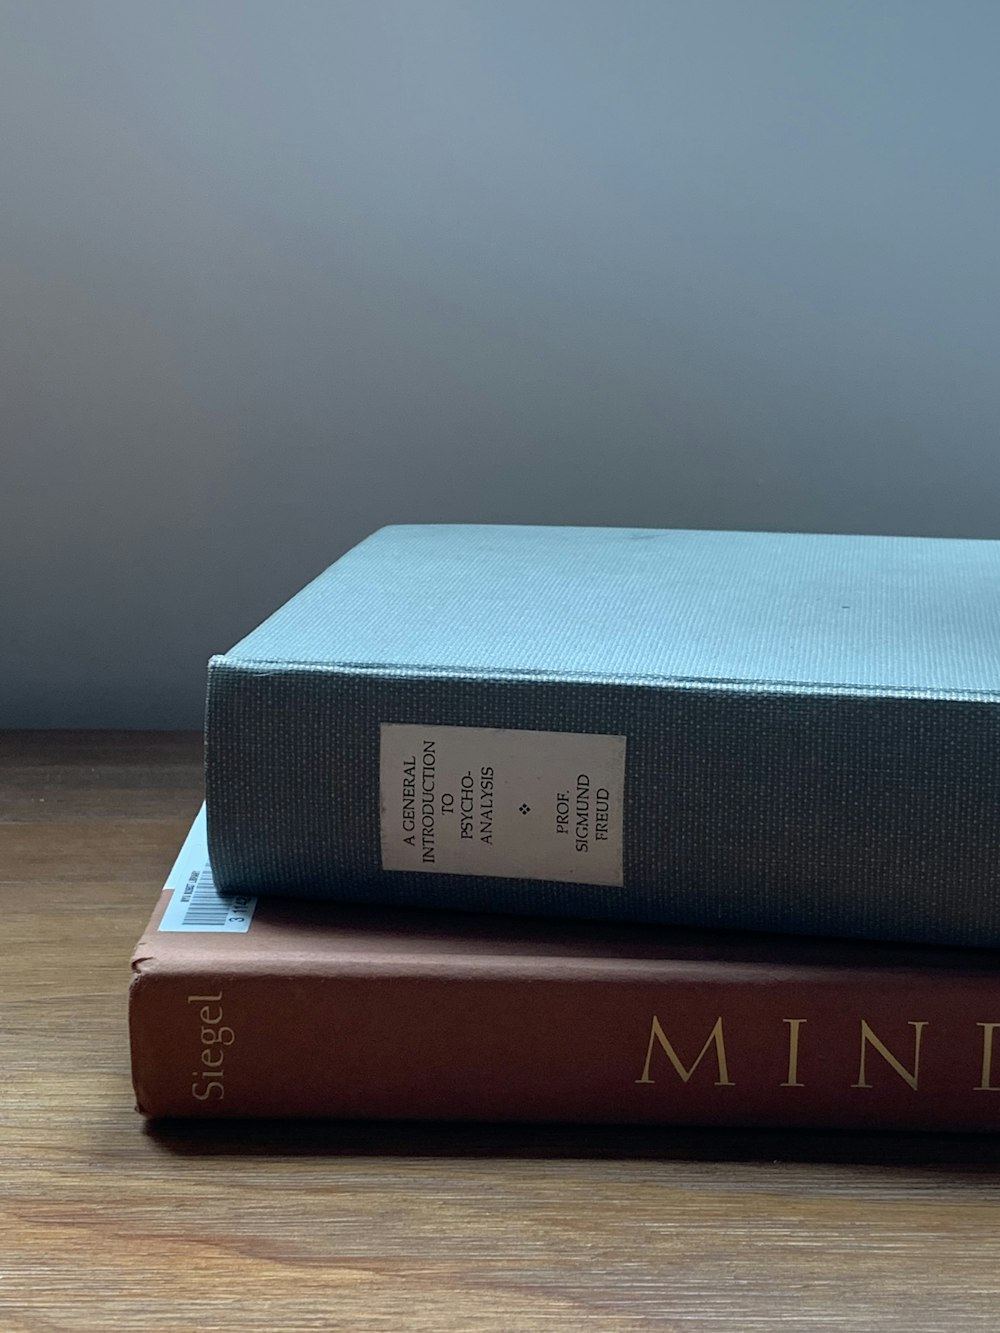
[196, 905]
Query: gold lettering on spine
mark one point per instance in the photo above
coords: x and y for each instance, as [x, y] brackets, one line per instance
[715, 1037]
[792, 1081]
[985, 1083]
[209, 1081]
[868, 1038]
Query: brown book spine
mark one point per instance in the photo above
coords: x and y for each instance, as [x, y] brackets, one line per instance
[699, 1044]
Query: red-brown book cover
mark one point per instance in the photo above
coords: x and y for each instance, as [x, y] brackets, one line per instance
[285, 1008]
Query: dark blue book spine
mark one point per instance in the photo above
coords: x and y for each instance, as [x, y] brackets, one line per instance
[814, 811]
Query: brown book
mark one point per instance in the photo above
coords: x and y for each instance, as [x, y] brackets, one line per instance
[284, 1008]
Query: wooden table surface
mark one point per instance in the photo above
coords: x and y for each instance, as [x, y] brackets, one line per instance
[107, 1224]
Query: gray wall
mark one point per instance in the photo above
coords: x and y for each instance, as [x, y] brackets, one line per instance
[274, 274]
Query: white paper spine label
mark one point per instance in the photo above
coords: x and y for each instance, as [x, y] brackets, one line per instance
[544, 805]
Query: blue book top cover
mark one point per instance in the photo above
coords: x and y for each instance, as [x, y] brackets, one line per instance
[778, 731]
[786, 610]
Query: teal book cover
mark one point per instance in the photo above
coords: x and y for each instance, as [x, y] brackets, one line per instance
[773, 731]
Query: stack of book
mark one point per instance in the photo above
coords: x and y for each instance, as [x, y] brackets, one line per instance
[596, 825]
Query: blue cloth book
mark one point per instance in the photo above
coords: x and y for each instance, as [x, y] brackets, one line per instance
[773, 731]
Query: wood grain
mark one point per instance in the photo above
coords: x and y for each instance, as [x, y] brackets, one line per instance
[107, 1224]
